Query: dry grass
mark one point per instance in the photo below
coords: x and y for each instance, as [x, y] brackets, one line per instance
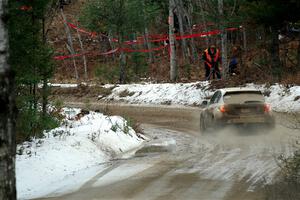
[82, 91]
[126, 93]
[287, 186]
[292, 78]
[283, 189]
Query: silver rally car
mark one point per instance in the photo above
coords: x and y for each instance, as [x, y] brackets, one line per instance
[234, 106]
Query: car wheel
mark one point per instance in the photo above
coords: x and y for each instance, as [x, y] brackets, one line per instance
[202, 125]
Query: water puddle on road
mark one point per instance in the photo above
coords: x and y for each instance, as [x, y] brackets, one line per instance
[152, 149]
[156, 147]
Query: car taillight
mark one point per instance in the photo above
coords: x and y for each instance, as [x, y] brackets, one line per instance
[222, 108]
[267, 108]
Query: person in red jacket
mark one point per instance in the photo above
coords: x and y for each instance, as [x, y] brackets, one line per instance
[212, 58]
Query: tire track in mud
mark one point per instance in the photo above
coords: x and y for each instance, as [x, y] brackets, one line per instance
[250, 158]
[127, 188]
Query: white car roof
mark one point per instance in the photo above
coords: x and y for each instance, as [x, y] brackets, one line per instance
[238, 89]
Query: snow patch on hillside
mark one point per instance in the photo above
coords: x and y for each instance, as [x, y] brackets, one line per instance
[167, 93]
[282, 99]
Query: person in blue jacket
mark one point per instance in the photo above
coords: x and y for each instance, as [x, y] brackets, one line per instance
[233, 65]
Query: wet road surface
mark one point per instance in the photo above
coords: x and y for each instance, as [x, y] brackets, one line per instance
[181, 163]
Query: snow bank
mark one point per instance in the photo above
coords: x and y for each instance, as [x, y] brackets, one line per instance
[167, 93]
[79, 146]
[63, 85]
[282, 99]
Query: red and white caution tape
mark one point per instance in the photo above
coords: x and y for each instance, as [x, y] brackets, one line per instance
[128, 50]
[92, 34]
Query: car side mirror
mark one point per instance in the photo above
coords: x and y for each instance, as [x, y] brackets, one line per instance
[204, 103]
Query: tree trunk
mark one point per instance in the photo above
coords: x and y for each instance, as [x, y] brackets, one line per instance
[146, 32]
[223, 40]
[298, 53]
[44, 79]
[146, 35]
[192, 41]
[34, 33]
[45, 92]
[224, 53]
[274, 50]
[70, 42]
[83, 56]
[173, 68]
[180, 17]
[112, 44]
[122, 62]
[244, 39]
[7, 117]
[204, 22]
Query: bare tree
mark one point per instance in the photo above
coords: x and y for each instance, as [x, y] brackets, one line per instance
[180, 16]
[298, 52]
[83, 56]
[244, 39]
[173, 68]
[183, 13]
[188, 16]
[7, 119]
[70, 46]
[148, 44]
[223, 39]
[146, 34]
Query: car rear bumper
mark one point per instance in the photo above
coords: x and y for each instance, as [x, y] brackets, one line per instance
[252, 119]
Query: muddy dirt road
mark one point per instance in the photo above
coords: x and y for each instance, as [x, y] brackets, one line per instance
[181, 163]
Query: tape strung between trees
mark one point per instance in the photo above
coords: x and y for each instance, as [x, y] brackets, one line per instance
[140, 40]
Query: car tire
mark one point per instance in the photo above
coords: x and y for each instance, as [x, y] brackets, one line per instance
[202, 125]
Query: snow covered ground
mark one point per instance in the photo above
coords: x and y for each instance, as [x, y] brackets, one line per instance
[70, 155]
[282, 99]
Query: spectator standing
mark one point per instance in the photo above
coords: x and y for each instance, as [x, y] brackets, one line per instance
[212, 58]
[233, 65]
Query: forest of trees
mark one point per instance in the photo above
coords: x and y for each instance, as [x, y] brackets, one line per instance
[267, 36]
[119, 22]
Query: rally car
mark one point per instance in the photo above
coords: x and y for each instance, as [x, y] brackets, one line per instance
[236, 106]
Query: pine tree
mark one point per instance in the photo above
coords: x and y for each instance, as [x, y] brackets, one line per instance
[31, 61]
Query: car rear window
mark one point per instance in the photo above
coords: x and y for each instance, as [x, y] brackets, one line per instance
[243, 97]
